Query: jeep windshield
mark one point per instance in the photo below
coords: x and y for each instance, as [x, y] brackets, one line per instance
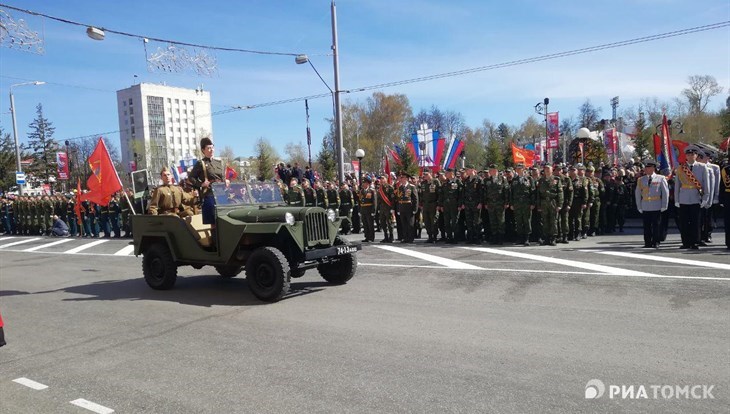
[247, 193]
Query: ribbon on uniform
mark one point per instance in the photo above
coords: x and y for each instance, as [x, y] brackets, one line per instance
[689, 175]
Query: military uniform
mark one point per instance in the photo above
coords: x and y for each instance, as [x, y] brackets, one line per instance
[550, 200]
[310, 198]
[386, 210]
[368, 206]
[115, 210]
[595, 214]
[564, 213]
[522, 199]
[449, 202]
[724, 199]
[72, 220]
[652, 198]
[333, 200]
[346, 209]
[210, 169]
[581, 187]
[407, 196]
[321, 198]
[295, 196]
[622, 195]
[496, 196]
[166, 200]
[472, 203]
[430, 190]
[691, 193]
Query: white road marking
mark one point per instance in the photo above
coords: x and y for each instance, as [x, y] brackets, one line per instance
[30, 383]
[42, 246]
[92, 406]
[6, 238]
[451, 264]
[85, 246]
[125, 251]
[562, 272]
[19, 242]
[664, 259]
[606, 270]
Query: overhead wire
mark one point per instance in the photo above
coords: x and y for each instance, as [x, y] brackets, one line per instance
[143, 37]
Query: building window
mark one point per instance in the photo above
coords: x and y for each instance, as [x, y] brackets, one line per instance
[130, 101]
[125, 113]
[186, 130]
[178, 129]
[177, 120]
[169, 100]
[177, 101]
[132, 131]
[131, 120]
[131, 110]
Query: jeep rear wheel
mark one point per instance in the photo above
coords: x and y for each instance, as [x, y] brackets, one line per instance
[229, 271]
[341, 269]
[267, 274]
[158, 267]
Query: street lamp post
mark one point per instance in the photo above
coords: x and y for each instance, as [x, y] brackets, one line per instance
[15, 127]
[542, 109]
[359, 154]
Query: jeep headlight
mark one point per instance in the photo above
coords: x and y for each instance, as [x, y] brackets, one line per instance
[331, 215]
[289, 218]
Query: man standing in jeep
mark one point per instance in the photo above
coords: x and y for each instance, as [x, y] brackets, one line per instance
[206, 172]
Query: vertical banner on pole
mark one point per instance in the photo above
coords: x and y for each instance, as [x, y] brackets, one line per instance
[609, 141]
[553, 127]
[62, 162]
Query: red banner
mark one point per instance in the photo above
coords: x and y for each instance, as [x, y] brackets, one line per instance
[356, 167]
[553, 129]
[580, 147]
[62, 162]
[522, 155]
[610, 140]
[104, 180]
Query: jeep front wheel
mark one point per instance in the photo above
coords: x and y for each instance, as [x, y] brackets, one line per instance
[341, 269]
[158, 267]
[267, 274]
[228, 271]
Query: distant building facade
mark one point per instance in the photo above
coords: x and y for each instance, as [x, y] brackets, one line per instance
[161, 124]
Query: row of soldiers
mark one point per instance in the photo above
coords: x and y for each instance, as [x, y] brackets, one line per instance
[33, 216]
[519, 205]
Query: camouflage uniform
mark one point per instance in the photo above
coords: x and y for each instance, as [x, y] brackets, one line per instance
[295, 196]
[430, 190]
[449, 202]
[522, 201]
[577, 209]
[564, 213]
[495, 198]
[407, 196]
[549, 199]
[472, 203]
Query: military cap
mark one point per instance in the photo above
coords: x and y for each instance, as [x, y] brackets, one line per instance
[533, 168]
[367, 179]
[565, 169]
[205, 142]
[450, 170]
[573, 168]
[509, 169]
[520, 165]
[426, 170]
[470, 167]
[492, 166]
[692, 149]
[650, 163]
[591, 168]
[580, 166]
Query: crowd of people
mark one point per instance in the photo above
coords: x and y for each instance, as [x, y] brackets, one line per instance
[523, 205]
[49, 215]
[547, 205]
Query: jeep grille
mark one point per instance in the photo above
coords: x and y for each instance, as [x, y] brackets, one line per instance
[316, 229]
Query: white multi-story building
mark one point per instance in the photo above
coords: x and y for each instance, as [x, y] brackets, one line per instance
[161, 125]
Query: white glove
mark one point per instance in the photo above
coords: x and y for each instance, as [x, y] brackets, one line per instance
[664, 209]
[676, 205]
[641, 211]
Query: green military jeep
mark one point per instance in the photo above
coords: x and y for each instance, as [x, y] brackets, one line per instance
[255, 231]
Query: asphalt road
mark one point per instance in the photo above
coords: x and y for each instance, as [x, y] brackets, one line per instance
[419, 329]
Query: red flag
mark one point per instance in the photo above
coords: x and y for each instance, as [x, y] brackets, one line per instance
[680, 146]
[522, 155]
[77, 207]
[231, 174]
[104, 181]
[395, 155]
[387, 168]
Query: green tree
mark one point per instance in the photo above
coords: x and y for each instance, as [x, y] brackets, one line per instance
[266, 158]
[494, 154]
[724, 130]
[326, 161]
[42, 147]
[407, 162]
[7, 160]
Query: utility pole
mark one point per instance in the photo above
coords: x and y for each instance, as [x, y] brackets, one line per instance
[338, 106]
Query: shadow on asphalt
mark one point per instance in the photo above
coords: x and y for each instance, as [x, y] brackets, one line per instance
[189, 290]
[12, 293]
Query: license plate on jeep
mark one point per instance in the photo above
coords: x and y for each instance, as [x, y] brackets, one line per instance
[346, 249]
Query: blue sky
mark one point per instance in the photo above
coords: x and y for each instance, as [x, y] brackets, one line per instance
[380, 41]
